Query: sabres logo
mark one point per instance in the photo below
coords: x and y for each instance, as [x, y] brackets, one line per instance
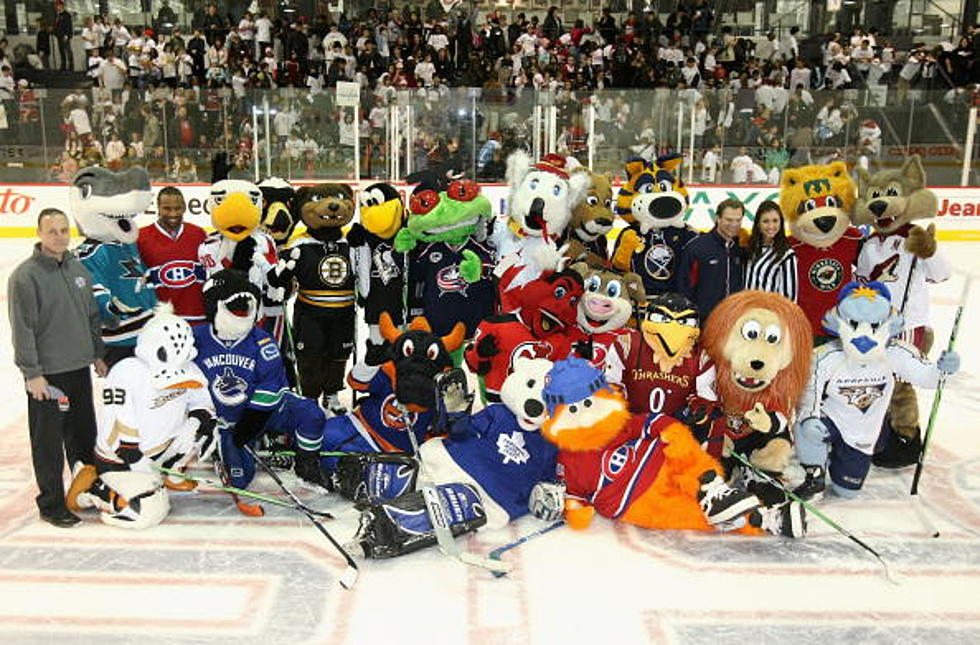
[449, 281]
[658, 262]
[863, 396]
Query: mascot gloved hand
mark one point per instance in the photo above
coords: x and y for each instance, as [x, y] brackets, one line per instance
[905, 258]
[643, 469]
[154, 402]
[850, 387]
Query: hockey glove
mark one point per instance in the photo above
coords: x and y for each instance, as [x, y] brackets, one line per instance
[356, 236]
[454, 397]
[249, 426]
[547, 501]
[487, 347]
[241, 259]
[206, 437]
[948, 363]
[583, 349]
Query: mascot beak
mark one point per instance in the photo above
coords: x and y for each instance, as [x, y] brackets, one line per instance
[673, 336]
[383, 220]
[278, 221]
[864, 344]
[236, 217]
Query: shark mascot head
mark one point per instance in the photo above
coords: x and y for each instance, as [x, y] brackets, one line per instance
[106, 203]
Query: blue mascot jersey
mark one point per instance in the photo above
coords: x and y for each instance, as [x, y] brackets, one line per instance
[245, 374]
[118, 273]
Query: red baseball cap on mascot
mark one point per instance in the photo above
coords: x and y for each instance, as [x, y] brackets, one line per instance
[554, 164]
[549, 304]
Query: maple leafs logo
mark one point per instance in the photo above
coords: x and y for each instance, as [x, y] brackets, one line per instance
[511, 448]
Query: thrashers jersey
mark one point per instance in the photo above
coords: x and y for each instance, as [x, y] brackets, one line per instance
[613, 478]
[175, 267]
[885, 259]
[822, 273]
[118, 273]
[135, 413]
[247, 373]
[856, 397]
[378, 419]
[438, 292]
[504, 459]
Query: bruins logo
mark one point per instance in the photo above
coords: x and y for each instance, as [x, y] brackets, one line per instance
[334, 270]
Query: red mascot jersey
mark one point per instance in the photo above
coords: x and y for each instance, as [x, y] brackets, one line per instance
[652, 390]
[822, 273]
[174, 266]
[613, 478]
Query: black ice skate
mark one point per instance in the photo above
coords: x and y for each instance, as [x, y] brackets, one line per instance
[787, 520]
[720, 502]
[899, 451]
[307, 468]
[814, 485]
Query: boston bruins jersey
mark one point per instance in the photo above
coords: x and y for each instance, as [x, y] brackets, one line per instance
[324, 273]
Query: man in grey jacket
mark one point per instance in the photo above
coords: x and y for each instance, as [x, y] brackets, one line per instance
[56, 331]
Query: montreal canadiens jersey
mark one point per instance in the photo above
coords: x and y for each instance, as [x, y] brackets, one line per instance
[174, 266]
[438, 292]
[885, 259]
[378, 419]
[613, 478]
[656, 264]
[504, 459]
[856, 397]
[138, 414]
[118, 273]
[650, 389]
[245, 374]
[822, 273]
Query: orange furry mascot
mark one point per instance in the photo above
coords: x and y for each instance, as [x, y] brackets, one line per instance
[760, 343]
[646, 470]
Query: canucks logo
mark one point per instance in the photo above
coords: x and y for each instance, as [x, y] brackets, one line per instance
[449, 281]
[229, 389]
[863, 396]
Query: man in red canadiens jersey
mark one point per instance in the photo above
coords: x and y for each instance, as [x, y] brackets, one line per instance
[169, 248]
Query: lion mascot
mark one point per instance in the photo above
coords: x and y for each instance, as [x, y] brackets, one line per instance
[760, 344]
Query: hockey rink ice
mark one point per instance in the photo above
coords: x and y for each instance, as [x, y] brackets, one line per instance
[211, 575]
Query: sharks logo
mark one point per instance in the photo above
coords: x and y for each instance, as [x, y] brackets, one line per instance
[863, 396]
[229, 389]
[131, 269]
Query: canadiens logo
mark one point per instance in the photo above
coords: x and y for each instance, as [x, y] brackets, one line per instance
[863, 396]
[229, 389]
[178, 274]
[658, 260]
[826, 274]
[614, 462]
[449, 281]
[334, 270]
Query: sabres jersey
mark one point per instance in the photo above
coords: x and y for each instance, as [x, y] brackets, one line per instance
[247, 373]
[174, 266]
[613, 478]
[439, 292]
[378, 419]
[504, 459]
[656, 264]
[118, 273]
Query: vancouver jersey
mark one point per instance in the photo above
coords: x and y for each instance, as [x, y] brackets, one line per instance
[613, 478]
[884, 258]
[247, 373]
[118, 273]
[135, 413]
[822, 273]
[504, 459]
[856, 397]
[656, 264]
[437, 291]
[378, 419]
[174, 266]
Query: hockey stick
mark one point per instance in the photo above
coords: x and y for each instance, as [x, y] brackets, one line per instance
[500, 550]
[251, 510]
[937, 397]
[322, 453]
[241, 492]
[349, 577]
[812, 509]
[437, 514]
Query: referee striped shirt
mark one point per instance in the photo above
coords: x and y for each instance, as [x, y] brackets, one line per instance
[769, 273]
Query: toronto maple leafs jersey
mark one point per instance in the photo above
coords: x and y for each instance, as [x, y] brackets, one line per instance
[247, 373]
[378, 419]
[136, 414]
[118, 274]
[855, 396]
[884, 258]
[438, 291]
[505, 460]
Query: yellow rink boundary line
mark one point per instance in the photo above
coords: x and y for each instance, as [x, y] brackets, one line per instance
[946, 236]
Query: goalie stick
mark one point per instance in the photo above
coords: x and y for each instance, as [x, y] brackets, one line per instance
[349, 577]
[437, 514]
[937, 397]
[500, 550]
[241, 492]
[811, 509]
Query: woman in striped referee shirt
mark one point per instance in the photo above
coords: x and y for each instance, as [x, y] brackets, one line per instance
[772, 264]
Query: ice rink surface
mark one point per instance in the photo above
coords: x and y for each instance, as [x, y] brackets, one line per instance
[211, 575]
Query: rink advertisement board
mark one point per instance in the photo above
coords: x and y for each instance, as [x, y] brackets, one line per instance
[958, 217]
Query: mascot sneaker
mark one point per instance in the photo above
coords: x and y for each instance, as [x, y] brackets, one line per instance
[788, 520]
[720, 502]
[899, 451]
